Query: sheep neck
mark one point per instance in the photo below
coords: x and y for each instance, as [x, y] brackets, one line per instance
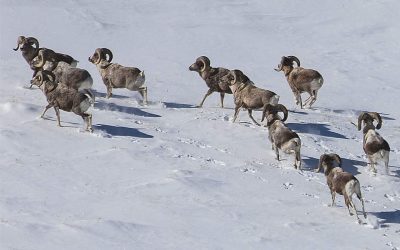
[238, 88]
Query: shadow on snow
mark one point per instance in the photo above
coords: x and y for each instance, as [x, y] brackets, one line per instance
[121, 131]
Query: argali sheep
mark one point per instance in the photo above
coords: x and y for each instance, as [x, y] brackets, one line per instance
[60, 96]
[340, 182]
[301, 80]
[117, 76]
[213, 78]
[248, 96]
[281, 137]
[375, 147]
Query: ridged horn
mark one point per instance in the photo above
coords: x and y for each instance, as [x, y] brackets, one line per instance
[294, 59]
[32, 40]
[105, 52]
[41, 56]
[337, 158]
[378, 118]
[283, 109]
[205, 61]
[49, 75]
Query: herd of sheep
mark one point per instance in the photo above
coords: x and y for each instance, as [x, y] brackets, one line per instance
[67, 87]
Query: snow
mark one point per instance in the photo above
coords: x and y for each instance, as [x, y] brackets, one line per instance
[172, 176]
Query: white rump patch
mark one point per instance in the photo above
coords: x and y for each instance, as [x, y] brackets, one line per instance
[87, 84]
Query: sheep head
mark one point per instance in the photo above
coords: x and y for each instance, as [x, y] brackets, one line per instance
[202, 63]
[368, 119]
[327, 160]
[43, 77]
[287, 61]
[101, 54]
[22, 42]
[271, 112]
[236, 76]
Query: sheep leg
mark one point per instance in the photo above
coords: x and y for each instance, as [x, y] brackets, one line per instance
[372, 164]
[209, 92]
[386, 160]
[58, 115]
[87, 118]
[297, 163]
[109, 91]
[312, 98]
[307, 100]
[353, 206]
[222, 99]
[45, 110]
[271, 140]
[143, 93]
[297, 98]
[362, 202]
[277, 153]
[251, 117]
[333, 194]
[237, 109]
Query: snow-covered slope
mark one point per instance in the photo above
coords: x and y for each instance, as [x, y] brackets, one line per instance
[171, 176]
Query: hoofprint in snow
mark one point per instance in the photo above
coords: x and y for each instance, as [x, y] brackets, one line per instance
[171, 176]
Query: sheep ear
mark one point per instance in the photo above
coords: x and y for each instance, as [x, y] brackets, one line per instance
[378, 118]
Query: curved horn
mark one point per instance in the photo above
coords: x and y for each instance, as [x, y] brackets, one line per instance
[266, 109]
[39, 76]
[378, 118]
[105, 52]
[19, 41]
[338, 159]
[32, 40]
[294, 59]
[49, 75]
[41, 59]
[205, 61]
[361, 117]
[284, 110]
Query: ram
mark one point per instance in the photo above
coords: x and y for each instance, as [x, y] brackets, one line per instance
[301, 80]
[118, 76]
[248, 96]
[340, 182]
[375, 147]
[213, 78]
[60, 96]
[281, 137]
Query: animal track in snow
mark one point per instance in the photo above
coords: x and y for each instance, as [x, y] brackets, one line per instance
[311, 195]
[287, 185]
[201, 145]
[390, 197]
[368, 188]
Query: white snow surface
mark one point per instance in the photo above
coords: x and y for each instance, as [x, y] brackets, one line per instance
[172, 176]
